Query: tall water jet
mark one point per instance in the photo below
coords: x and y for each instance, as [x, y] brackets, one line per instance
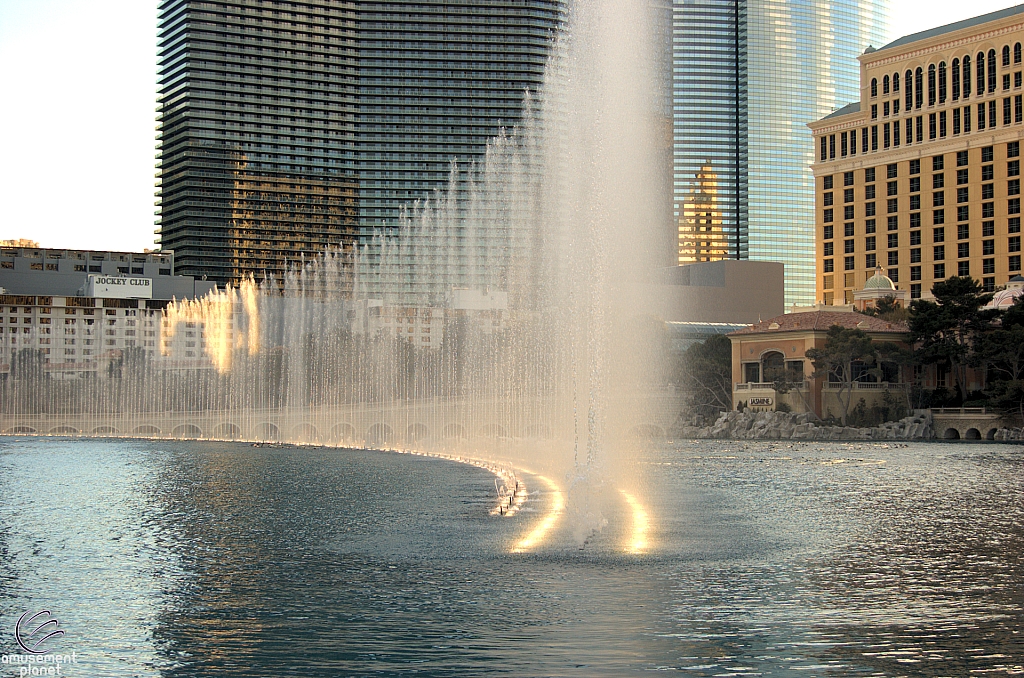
[604, 177]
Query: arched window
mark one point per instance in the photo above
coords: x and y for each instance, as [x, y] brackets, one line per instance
[908, 91]
[942, 82]
[931, 85]
[967, 75]
[956, 78]
[1006, 55]
[885, 85]
[980, 71]
[1016, 53]
[896, 82]
[991, 71]
[874, 87]
[919, 86]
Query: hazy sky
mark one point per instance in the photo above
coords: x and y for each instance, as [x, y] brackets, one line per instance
[77, 115]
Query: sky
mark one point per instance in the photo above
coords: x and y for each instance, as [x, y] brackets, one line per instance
[78, 115]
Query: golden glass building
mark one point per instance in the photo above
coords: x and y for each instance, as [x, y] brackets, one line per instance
[701, 237]
[922, 176]
[747, 76]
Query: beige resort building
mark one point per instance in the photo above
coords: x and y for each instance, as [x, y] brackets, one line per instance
[782, 343]
[921, 177]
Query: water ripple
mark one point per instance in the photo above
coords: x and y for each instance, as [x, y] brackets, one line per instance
[192, 559]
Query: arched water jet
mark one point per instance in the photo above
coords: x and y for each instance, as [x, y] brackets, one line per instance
[504, 317]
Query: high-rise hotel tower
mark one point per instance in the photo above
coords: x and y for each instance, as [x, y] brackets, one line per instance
[256, 133]
[748, 75]
[290, 126]
[920, 175]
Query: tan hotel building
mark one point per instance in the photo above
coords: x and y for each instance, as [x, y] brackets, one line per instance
[922, 176]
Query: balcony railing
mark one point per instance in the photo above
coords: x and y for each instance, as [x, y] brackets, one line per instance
[960, 410]
[865, 386]
[828, 386]
[767, 386]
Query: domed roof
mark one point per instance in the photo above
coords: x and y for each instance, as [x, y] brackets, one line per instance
[879, 281]
[1005, 298]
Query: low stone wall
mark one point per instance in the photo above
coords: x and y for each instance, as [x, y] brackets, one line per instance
[749, 425]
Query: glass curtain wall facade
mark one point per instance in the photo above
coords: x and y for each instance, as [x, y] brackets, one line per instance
[256, 125]
[436, 82]
[749, 76]
[289, 127]
[801, 64]
[706, 116]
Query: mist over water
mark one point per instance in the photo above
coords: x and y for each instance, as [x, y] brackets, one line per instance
[504, 317]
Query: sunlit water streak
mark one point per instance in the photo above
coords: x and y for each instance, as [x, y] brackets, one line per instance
[553, 513]
[637, 543]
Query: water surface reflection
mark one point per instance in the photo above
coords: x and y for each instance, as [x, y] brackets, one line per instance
[195, 559]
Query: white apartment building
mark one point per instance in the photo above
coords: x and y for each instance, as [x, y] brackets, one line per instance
[75, 336]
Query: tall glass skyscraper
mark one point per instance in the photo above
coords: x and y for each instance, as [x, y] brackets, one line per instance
[293, 126]
[436, 82]
[706, 111]
[748, 77]
[256, 129]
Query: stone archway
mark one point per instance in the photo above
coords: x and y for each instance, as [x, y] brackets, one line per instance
[951, 434]
[343, 433]
[380, 434]
[227, 431]
[64, 431]
[972, 434]
[453, 431]
[268, 432]
[189, 431]
[773, 362]
[416, 433]
[146, 430]
[538, 431]
[306, 433]
[492, 431]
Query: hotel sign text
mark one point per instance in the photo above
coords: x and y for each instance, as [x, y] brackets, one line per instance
[114, 287]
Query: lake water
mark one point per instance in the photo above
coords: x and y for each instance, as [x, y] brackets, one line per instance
[214, 559]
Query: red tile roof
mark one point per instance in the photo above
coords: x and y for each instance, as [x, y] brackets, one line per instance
[821, 321]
